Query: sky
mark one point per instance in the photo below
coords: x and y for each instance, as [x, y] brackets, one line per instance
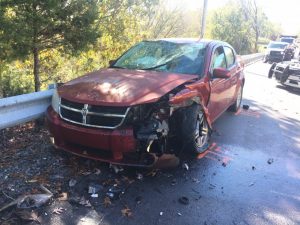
[284, 12]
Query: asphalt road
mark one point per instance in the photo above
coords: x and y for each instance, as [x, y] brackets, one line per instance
[250, 175]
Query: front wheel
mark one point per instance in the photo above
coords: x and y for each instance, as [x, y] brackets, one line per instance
[236, 105]
[195, 130]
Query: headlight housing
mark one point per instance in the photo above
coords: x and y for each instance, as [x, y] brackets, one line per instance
[55, 101]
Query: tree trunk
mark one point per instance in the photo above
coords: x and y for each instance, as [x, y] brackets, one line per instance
[257, 33]
[1, 83]
[36, 69]
[256, 42]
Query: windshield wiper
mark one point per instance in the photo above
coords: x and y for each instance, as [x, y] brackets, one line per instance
[155, 67]
[117, 67]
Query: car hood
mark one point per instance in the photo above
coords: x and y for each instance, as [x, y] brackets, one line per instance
[121, 87]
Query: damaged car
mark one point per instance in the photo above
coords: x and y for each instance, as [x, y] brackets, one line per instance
[159, 97]
[286, 73]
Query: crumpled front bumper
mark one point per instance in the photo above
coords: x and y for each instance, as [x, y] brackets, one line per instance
[116, 146]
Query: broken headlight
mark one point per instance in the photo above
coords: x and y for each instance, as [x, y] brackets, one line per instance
[55, 101]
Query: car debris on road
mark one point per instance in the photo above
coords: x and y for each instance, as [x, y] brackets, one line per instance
[30, 201]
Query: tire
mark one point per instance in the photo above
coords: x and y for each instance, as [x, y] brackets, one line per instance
[265, 60]
[271, 72]
[285, 75]
[237, 104]
[195, 130]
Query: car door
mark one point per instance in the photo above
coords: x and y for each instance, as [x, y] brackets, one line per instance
[234, 69]
[220, 87]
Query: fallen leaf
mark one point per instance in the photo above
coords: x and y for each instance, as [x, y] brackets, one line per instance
[85, 202]
[107, 202]
[85, 173]
[58, 211]
[117, 182]
[152, 173]
[63, 196]
[29, 216]
[127, 180]
[196, 180]
[126, 212]
[31, 181]
[97, 171]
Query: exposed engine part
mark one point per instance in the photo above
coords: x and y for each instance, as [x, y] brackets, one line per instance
[153, 133]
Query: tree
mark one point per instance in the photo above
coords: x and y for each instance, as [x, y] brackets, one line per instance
[257, 19]
[227, 24]
[163, 19]
[30, 27]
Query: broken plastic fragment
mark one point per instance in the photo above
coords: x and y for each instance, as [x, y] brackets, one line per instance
[246, 107]
[114, 192]
[139, 176]
[185, 166]
[184, 200]
[94, 188]
[116, 168]
[72, 182]
[94, 195]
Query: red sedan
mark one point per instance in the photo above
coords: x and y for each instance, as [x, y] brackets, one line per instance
[159, 97]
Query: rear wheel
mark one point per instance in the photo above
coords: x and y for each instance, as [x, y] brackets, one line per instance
[236, 105]
[265, 60]
[195, 130]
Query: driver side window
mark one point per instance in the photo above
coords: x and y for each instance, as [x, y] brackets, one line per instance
[218, 59]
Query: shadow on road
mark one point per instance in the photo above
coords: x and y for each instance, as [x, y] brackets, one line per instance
[289, 89]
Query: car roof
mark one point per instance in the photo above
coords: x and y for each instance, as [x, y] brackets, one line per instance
[192, 40]
[278, 42]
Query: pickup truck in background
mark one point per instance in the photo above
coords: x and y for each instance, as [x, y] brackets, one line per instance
[277, 52]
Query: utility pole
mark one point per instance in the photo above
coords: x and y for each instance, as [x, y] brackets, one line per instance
[203, 18]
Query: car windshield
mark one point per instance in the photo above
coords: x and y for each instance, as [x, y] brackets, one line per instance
[183, 58]
[277, 45]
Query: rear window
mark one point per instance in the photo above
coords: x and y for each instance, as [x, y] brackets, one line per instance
[288, 40]
[277, 45]
[229, 56]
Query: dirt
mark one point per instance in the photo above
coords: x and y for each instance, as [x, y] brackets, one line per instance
[27, 160]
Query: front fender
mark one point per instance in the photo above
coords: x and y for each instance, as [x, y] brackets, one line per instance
[187, 97]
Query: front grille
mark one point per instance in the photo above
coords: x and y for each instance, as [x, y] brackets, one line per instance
[275, 53]
[92, 115]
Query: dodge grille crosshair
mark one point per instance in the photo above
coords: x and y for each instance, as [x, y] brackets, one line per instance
[92, 115]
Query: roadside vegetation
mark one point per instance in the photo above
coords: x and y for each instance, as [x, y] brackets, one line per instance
[52, 41]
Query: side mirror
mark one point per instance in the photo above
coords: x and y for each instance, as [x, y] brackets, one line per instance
[111, 62]
[221, 73]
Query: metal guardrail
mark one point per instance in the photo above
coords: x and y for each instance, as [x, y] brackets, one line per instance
[23, 108]
[252, 58]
